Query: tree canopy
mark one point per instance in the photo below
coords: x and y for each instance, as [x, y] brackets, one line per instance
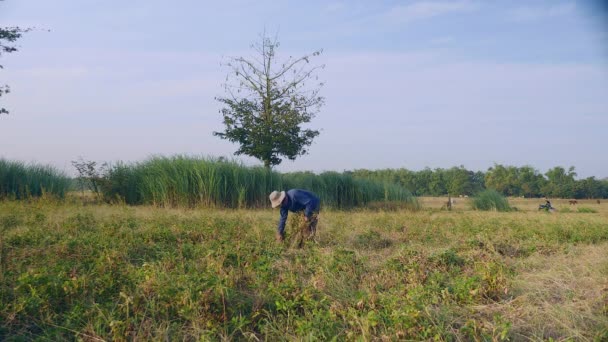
[268, 102]
[8, 37]
[526, 181]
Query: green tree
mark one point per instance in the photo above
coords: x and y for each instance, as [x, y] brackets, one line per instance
[530, 182]
[604, 188]
[502, 179]
[588, 188]
[423, 181]
[560, 182]
[267, 103]
[437, 185]
[408, 180]
[458, 181]
[478, 183]
[8, 37]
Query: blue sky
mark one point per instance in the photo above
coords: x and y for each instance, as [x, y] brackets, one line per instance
[409, 84]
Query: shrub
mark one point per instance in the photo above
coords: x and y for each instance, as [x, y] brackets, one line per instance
[490, 200]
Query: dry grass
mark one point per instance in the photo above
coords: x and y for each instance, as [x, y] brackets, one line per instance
[525, 204]
[563, 294]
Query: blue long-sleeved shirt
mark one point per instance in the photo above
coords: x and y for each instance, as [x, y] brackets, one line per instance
[298, 200]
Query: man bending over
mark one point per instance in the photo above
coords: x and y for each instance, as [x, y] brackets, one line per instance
[296, 200]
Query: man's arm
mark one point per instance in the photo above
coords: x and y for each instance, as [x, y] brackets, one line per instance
[283, 220]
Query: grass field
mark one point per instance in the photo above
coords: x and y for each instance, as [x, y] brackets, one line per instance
[96, 272]
[525, 204]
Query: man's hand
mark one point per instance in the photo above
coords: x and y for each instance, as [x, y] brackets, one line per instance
[306, 218]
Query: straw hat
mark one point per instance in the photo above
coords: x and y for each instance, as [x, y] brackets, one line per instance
[276, 198]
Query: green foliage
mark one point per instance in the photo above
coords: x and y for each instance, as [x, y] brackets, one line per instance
[490, 200]
[514, 181]
[279, 134]
[21, 181]
[342, 190]
[267, 104]
[8, 37]
[508, 180]
[438, 182]
[372, 240]
[561, 183]
[586, 210]
[191, 181]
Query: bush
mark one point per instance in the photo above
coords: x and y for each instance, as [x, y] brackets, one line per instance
[490, 200]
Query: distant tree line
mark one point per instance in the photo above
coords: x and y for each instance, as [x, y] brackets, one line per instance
[507, 180]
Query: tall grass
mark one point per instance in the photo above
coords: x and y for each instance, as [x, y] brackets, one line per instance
[20, 181]
[490, 200]
[342, 190]
[191, 181]
[195, 181]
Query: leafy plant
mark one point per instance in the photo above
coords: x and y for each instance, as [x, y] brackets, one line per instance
[490, 200]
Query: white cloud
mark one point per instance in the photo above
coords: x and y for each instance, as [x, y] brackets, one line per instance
[527, 13]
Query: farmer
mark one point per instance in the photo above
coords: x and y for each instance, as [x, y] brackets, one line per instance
[296, 200]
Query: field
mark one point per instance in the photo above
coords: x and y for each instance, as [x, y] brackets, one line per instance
[96, 272]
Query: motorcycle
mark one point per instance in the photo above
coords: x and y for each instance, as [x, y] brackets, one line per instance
[546, 207]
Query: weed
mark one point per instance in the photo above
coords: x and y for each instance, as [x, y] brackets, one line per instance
[371, 239]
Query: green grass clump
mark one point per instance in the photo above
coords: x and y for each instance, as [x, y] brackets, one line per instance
[182, 181]
[586, 210]
[490, 200]
[342, 190]
[20, 181]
